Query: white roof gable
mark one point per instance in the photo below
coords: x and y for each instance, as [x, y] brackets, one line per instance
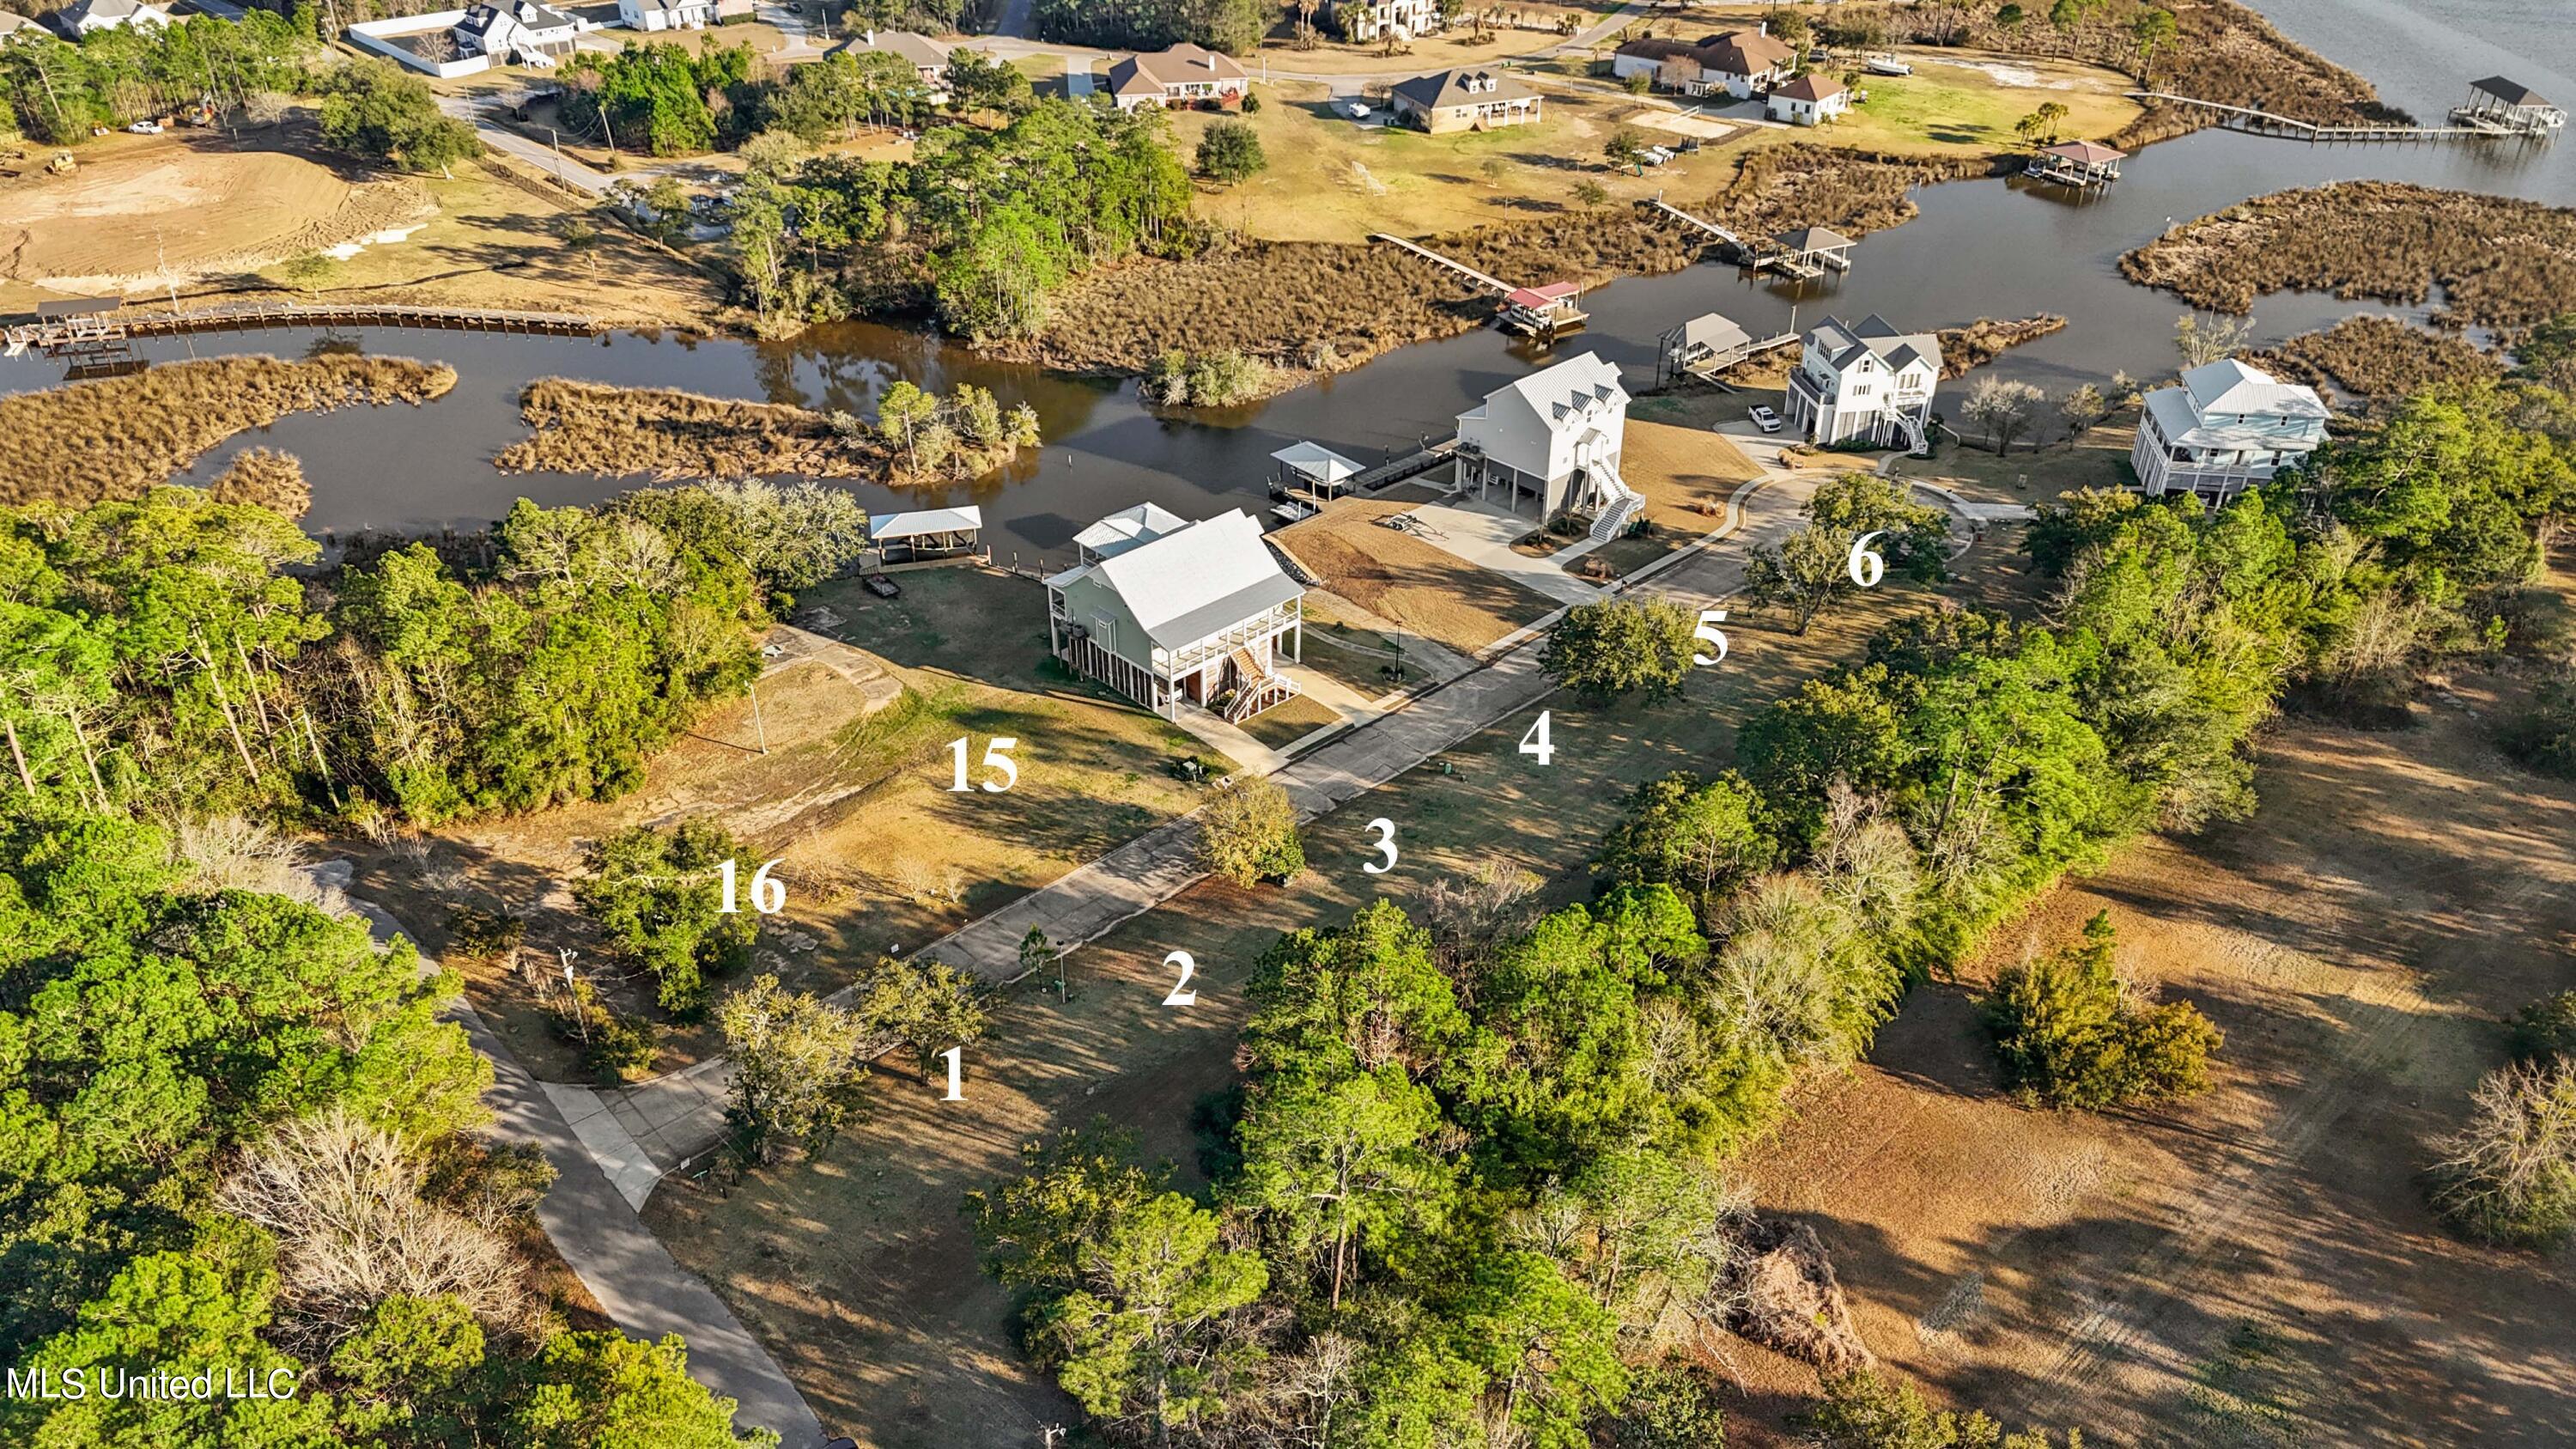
[2230, 386]
[1844, 345]
[1128, 527]
[1186, 585]
[1570, 393]
[928, 520]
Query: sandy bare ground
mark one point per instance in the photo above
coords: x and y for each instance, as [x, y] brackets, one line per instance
[2258, 1266]
[183, 208]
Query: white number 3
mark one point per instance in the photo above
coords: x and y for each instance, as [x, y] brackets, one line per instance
[1385, 829]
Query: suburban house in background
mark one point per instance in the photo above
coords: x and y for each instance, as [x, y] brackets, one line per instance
[1810, 100]
[1740, 63]
[666, 14]
[13, 25]
[84, 16]
[1866, 383]
[1185, 75]
[1361, 21]
[1464, 100]
[517, 30]
[2229, 427]
[1170, 612]
[1550, 442]
[928, 57]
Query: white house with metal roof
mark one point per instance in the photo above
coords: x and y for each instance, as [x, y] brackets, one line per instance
[1550, 442]
[2229, 427]
[1173, 613]
[1864, 382]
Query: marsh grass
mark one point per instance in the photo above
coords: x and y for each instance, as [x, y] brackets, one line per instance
[266, 477]
[617, 432]
[2380, 358]
[115, 437]
[1965, 349]
[2501, 262]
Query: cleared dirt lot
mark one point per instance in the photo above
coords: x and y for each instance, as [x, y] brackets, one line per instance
[1408, 580]
[2256, 1267]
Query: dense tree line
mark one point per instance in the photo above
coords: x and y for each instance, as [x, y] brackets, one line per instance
[1230, 25]
[58, 90]
[235, 1140]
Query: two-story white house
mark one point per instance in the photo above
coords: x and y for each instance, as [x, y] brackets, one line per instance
[85, 16]
[2229, 427]
[1172, 613]
[520, 31]
[1365, 21]
[1550, 442]
[1864, 382]
[666, 14]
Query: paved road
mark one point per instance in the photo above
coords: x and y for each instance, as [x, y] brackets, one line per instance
[620, 1261]
[471, 110]
[642, 1131]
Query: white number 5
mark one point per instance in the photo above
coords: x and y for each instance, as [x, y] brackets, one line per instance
[1709, 633]
[1181, 994]
[1385, 829]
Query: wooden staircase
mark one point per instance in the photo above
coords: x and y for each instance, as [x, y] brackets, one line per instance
[1256, 688]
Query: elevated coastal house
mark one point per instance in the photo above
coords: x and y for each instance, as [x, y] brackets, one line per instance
[1185, 75]
[1738, 63]
[1464, 100]
[1864, 383]
[2229, 427]
[1549, 443]
[85, 16]
[520, 31]
[1173, 613]
[927, 57]
[666, 14]
[1810, 100]
[1364, 21]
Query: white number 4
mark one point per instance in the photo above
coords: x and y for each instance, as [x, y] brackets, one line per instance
[1181, 993]
[1536, 741]
[1867, 568]
[768, 895]
[997, 757]
[1709, 633]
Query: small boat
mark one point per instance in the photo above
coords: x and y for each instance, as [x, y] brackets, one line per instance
[1886, 64]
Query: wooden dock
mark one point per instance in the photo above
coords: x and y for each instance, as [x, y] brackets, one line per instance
[51, 335]
[1706, 368]
[1495, 285]
[2269, 123]
[1755, 253]
[1411, 465]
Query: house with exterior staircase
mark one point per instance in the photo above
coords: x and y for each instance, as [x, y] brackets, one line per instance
[2229, 427]
[1549, 444]
[1864, 382]
[1174, 613]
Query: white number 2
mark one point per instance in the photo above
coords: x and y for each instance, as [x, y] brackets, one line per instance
[1181, 993]
[1536, 741]
[997, 757]
[1709, 633]
[1385, 829]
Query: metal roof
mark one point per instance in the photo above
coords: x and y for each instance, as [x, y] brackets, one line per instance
[1128, 527]
[1183, 586]
[883, 526]
[2512, 93]
[2091, 153]
[1317, 462]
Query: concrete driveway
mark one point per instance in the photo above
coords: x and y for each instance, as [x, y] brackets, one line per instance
[1483, 537]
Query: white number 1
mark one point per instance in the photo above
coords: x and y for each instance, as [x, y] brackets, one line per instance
[1181, 994]
[956, 1059]
[1385, 829]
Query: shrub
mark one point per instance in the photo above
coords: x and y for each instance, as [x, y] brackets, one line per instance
[797, 1069]
[659, 897]
[1670, 1406]
[1230, 151]
[1621, 646]
[2508, 1175]
[2070, 1033]
[2544, 736]
[2546, 1029]
[613, 1047]
[484, 935]
[1248, 833]
[1863, 1411]
[925, 1004]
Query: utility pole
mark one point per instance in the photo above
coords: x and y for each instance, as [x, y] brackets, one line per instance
[759, 730]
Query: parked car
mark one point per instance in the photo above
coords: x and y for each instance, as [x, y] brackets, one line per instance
[881, 586]
[1765, 419]
[145, 128]
[1359, 110]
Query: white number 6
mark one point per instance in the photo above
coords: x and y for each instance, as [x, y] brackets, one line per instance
[1867, 568]
[1709, 633]
[1385, 829]
[1181, 994]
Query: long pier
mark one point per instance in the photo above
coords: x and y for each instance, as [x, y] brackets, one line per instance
[248, 316]
[2273, 123]
[1495, 285]
[1706, 368]
[1759, 253]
